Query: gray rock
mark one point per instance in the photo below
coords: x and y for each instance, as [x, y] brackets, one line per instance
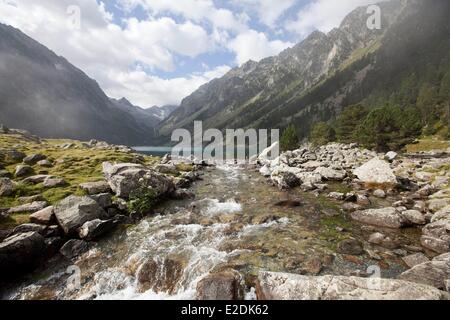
[97, 187]
[414, 217]
[377, 238]
[103, 199]
[433, 273]
[40, 178]
[74, 248]
[436, 236]
[6, 187]
[415, 259]
[33, 159]
[92, 230]
[54, 183]
[288, 180]
[376, 171]
[45, 163]
[5, 173]
[283, 286]
[29, 207]
[385, 217]
[45, 216]
[72, 212]
[219, 286]
[331, 174]
[126, 178]
[391, 156]
[379, 193]
[23, 170]
[20, 252]
[15, 155]
[437, 204]
[30, 199]
[336, 196]
[30, 227]
[442, 214]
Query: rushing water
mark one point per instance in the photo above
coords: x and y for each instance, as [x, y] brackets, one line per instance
[232, 224]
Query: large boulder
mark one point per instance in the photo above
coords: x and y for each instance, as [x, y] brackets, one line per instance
[376, 171]
[45, 216]
[331, 174]
[125, 178]
[284, 286]
[384, 217]
[23, 170]
[29, 207]
[97, 187]
[54, 183]
[433, 273]
[92, 230]
[33, 159]
[220, 286]
[75, 248]
[39, 178]
[6, 187]
[20, 252]
[72, 212]
[436, 236]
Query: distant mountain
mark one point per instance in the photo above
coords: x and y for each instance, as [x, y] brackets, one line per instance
[46, 95]
[315, 79]
[161, 113]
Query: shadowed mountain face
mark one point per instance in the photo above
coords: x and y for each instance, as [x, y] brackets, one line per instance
[314, 80]
[46, 95]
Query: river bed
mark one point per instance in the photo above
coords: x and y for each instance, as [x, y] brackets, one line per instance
[234, 223]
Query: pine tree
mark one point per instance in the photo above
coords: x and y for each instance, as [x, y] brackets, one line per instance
[289, 138]
[322, 133]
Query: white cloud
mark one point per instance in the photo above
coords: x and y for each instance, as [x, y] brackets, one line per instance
[109, 53]
[252, 45]
[268, 11]
[195, 10]
[323, 15]
[138, 86]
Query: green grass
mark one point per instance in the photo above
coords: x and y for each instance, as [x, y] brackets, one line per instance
[75, 166]
[428, 144]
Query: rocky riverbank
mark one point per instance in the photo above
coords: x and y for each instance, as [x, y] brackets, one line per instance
[337, 217]
[57, 206]
[415, 190]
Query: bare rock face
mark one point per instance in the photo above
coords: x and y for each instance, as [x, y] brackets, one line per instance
[376, 171]
[219, 286]
[385, 217]
[125, 178]
[72, 212]
[21, 252]
[284, 286]
[433, 273]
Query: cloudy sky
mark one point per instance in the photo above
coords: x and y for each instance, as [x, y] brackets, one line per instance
[156, 52]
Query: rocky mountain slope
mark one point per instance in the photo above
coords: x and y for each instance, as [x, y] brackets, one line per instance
[45, 94]
[315, 79]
